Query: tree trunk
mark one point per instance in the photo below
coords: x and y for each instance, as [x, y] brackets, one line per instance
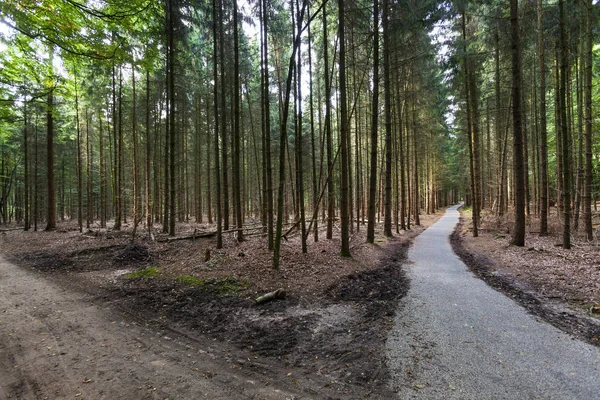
[283, 141]
[51, 223]
[299, 144]
[315, 186]
[345, 251]
[328, 134]
[387, 223]
[588, 117]
[237, 189]
[543, 131]
[374, 121]
[79, 162]
[135, 151]
[562, 98]
[224, 140]
[171, 116]
[216, 125]
[148, 193]
[518, 236]
[89, 178]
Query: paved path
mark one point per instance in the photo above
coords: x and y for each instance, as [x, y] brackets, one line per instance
[456, 338]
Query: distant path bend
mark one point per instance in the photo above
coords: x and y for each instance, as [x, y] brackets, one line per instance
[454, 337]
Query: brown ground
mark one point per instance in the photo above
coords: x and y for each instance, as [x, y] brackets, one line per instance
[562, 286]
[330, 329]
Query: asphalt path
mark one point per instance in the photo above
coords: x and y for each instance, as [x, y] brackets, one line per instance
[454, 337]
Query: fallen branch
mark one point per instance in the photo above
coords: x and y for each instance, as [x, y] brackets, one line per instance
[194, 236]
[291, 229]
[11, 229]
[277, 294]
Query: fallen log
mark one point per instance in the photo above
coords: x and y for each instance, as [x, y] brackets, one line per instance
[277, 294]
[194, 236]
[11, 229]
[290, 230]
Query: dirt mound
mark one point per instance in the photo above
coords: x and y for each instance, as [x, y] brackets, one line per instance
[378, 289]
[46, 262]
[133, 253]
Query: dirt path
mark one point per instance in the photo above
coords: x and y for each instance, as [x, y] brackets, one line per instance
[57, 343]
[457, 338]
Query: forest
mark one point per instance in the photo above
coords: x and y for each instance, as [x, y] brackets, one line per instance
[263, 117]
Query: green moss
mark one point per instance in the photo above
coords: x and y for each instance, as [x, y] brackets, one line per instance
[190, 280]
[148, 273]
[227, 285]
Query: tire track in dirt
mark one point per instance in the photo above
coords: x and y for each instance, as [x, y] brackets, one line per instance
[58, 343]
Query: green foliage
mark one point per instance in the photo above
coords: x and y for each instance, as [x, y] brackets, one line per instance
[147, 273]
[228, 285]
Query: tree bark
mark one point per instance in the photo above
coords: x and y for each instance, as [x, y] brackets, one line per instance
[51, 223]
[345, 251]
[518, 236]
[588, 118]
[387, 223]
[543, 130]
[562, 95]
[374, 133]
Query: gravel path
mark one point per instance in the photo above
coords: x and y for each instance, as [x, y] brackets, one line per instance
[456, 338]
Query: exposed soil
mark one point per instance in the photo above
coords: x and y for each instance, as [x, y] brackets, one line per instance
[331, 326]
[561, 286]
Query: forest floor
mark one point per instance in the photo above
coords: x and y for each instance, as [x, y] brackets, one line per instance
[325, 339]
[561, 286]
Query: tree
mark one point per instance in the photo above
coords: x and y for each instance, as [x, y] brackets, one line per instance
[543, 131]
[51, 223]
[345, 252]
[374, 132]
[387, 225]
[562, 102]
[518, 235]
[587, 93]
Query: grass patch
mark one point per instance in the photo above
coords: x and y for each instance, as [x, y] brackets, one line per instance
[148, 273]
[190, 280]
[229, 285]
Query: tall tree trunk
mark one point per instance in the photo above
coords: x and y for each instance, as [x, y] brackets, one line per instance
[315, 187]
[224, 139]
[216, 125]
[237, 189]
[543, 131]
[562, 95]
[171, 116]
[89, 177]
[135, 151]
[267, 128]
[283, 142]
[345, 251]
[79, 162]
[374, 133]
[119, 157]
[102, 171]
[518, 236]
[471, 101]
[26, 178]
[387, 223]
[299, 144]
[148, 193]
[51, 223]
[587, 94]
[328, 134]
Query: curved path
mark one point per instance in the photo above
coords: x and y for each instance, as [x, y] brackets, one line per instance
[456, 338]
